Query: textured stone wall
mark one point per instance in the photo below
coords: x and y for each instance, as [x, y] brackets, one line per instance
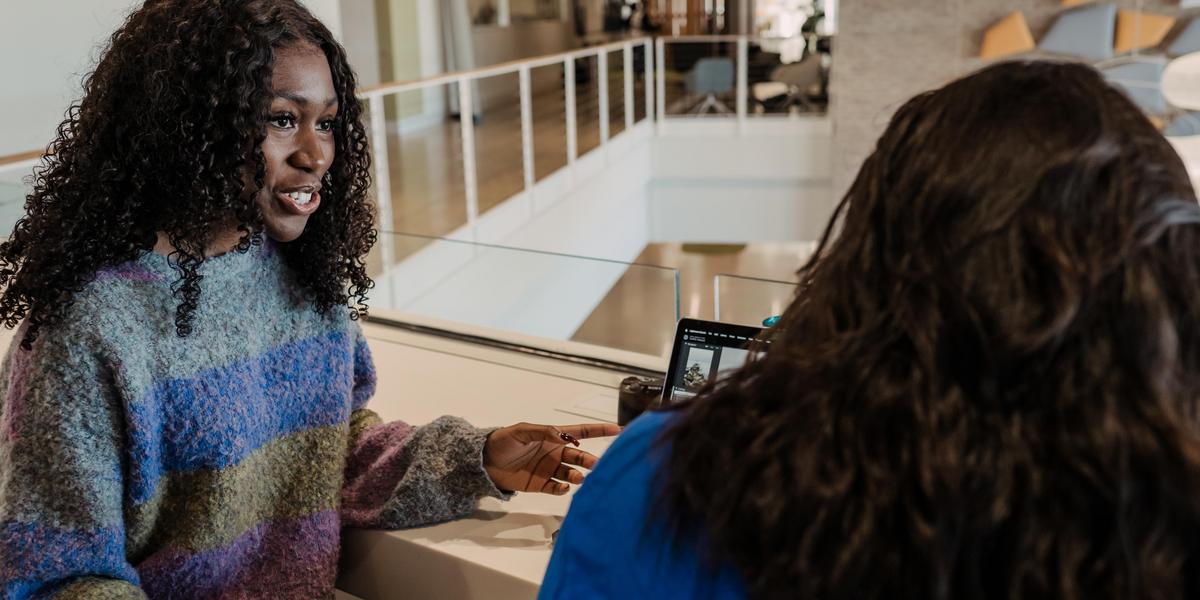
[889, 50]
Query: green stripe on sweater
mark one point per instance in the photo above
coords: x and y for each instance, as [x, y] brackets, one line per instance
[293, 476]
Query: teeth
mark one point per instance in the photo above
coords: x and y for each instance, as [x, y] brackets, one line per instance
[301, 198]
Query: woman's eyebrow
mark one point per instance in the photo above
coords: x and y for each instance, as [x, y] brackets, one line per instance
[301, 99]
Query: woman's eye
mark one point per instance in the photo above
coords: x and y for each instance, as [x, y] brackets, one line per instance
[326, 125]
[283, 121]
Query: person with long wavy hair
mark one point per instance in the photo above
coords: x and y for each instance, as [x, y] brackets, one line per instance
[986, 386]
[183, 412]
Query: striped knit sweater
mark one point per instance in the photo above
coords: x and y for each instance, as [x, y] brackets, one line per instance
[135, 463]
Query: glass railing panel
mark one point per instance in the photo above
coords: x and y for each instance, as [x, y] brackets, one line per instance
[587, 105]
[499, 162]
[749, 300]
[786, 76]
[549, 109]
[616, 92]
[546, 295]
[425, 161]
[700, 78]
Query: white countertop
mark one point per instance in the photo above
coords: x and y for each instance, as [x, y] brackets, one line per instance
[502, 550]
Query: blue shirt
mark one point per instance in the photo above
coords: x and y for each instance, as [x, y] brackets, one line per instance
[607, 548]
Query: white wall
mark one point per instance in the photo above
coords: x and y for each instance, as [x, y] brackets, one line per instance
[46, 48]
[329, 12]
[362, 43]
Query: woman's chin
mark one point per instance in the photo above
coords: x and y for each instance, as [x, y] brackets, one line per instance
[286, 229]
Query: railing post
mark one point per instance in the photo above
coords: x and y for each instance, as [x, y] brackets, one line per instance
[627, 60]
[648, 77]
[383, 179]
[466, 121]
[602, 75]
[527, 131]
[661, 82]
[743, 69]
[716, 297]
[572, 131]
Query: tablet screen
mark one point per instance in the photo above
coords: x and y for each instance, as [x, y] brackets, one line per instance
[705, 351]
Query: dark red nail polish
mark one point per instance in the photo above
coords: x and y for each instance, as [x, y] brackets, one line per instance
[568, 438]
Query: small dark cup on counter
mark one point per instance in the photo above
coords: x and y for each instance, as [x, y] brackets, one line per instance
[637, 395]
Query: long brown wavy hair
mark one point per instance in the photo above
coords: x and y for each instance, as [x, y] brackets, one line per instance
[174, 111]
[986, 386]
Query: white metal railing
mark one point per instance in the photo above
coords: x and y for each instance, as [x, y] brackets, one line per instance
[375, 96]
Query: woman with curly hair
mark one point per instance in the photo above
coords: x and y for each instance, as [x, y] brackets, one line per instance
[986, 387]
[184, 412]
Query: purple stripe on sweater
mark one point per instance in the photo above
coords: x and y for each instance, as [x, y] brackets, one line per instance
[32, 552]
[220, 416]
[293, 558]
[129, 271]
[372, 470]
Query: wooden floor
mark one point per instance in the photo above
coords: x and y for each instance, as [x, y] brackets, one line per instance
[630, 316]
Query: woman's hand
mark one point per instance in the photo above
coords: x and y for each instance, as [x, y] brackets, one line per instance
[537, 458]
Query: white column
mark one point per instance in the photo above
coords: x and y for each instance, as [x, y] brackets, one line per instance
[466, 103]
[527, 131]
[602, 75]
[572, 126]
[503, 13]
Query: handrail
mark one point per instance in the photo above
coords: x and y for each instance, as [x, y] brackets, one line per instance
[384, 89]
[504, 68]
[21, 159]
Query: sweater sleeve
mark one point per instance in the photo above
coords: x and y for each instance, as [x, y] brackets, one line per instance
[398, 475]
[62, 532]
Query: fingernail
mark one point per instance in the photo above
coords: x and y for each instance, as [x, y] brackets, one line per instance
[568, 438]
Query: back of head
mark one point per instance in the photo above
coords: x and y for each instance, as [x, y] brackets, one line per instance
[986, 386]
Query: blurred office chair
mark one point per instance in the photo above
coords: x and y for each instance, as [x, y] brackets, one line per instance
[711, 76]
[791, 84]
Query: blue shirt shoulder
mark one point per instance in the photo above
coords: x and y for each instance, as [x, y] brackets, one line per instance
[608, 547]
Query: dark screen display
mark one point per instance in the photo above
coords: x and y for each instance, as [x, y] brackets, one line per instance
[704, 354]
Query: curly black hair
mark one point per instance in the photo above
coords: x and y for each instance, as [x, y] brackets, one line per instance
[988, 384]
[171, 118]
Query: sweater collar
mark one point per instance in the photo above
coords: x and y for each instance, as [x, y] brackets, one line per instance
[228, 267]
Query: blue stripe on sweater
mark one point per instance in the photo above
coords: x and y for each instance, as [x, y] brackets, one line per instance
[218, 417]
[26, 564]
[364, 374]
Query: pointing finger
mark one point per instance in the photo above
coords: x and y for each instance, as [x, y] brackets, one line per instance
[591, 430]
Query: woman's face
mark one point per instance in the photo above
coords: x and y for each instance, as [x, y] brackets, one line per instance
[299, 146]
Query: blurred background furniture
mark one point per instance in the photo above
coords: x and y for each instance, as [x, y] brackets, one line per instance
[711, 77]
[793, 85]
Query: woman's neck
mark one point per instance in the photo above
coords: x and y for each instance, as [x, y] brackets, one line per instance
[223, 242]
